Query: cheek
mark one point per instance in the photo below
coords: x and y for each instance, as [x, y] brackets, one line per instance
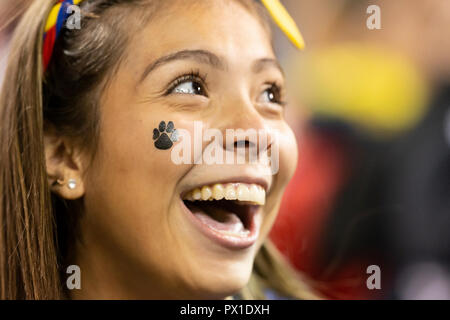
[132, 184]
[288, 155]
[287, 163]
[133, 151]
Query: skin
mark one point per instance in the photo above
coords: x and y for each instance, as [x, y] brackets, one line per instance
[135, 239]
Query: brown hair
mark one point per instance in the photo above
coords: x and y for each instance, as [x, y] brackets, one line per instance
[35, 223]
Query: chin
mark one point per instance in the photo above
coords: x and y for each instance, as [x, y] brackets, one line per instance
[224, 280]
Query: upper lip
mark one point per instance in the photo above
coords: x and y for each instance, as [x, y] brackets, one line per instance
[265, 183]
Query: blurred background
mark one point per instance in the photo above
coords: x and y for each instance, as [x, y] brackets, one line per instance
[371, 111]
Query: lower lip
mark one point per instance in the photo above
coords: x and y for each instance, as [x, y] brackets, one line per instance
[226, 240]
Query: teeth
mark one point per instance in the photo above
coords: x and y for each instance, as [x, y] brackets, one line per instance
[231, 191]
[243, 194]
[196, 194]
[218, 192]
[206, 193]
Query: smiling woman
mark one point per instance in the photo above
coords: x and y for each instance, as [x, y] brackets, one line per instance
[83, 181]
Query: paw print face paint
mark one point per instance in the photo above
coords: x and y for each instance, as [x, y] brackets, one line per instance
[165, 135]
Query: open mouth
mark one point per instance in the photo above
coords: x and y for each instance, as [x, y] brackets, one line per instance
[227, 212]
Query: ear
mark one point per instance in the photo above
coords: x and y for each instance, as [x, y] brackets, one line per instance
[64, 165]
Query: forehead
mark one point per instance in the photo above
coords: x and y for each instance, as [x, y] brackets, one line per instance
[224, 27]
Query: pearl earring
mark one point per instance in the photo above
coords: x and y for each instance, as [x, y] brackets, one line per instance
[71, 184]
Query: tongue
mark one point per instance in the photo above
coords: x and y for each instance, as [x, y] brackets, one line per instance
[217, 218]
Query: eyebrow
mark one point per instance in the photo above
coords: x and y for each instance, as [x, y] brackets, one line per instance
[261, 64]
[207, 57]
[201, 56]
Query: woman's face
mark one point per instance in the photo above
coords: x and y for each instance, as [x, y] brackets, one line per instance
[211, 62]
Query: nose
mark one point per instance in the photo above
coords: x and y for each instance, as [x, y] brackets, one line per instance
[245, 129]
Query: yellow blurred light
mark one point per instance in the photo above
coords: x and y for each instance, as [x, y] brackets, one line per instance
[364, 85]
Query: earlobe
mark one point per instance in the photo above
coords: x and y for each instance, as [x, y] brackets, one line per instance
[69, 189]
[64, 168]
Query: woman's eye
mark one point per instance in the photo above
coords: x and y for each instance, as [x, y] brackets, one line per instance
[271, 95]
[189, 87]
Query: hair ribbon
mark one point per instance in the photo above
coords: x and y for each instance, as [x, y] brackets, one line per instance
[58, 15]
[53, 26]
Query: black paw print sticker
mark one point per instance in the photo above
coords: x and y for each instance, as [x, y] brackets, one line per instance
[165, 136]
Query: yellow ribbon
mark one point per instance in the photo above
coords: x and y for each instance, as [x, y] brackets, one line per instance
[285, 22]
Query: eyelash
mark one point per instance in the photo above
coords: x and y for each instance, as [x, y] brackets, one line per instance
[278, 91]
[194, 75]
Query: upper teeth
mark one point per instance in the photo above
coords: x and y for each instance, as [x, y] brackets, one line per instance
[230, 191]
